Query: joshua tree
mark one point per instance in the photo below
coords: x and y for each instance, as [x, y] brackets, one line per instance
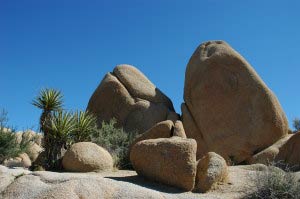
[86, 125]
[49, 100]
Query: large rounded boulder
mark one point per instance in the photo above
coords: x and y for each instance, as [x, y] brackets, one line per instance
[87, 157]
[228, 108]
[131, 98]
[171, 161]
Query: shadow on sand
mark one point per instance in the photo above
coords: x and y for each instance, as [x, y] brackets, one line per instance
[147, 184]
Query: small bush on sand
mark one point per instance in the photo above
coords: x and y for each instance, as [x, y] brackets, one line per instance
[275, 183]
[9, 146]
[116, 141]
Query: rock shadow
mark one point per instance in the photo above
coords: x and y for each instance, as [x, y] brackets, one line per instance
[137, 180]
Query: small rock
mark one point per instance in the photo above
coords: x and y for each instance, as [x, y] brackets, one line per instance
[211, 170]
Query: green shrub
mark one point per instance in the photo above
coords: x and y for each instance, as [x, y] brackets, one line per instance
[85, 126]
[275, 183]
[9, 147]
[116, 141]
[296, 124]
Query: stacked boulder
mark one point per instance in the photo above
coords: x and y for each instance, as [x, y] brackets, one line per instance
[229, 116]
[127, 95]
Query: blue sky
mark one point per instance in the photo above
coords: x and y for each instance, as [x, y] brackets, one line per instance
[70, 45]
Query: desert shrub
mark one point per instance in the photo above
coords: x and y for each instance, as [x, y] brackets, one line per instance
[85, 126]
[275, 183]
[9, 147]
[296, 124]
[116, 141]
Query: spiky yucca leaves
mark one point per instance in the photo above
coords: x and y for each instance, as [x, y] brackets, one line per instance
[61, 126]
[86, 124]
[48, 100]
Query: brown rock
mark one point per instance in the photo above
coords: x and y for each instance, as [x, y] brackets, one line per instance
[160, 130]
[33, 151]
[22, 160]
[171, 161]
[87, 157]
[289, 153]
[228, 108]
[211, 170]
[269, 155]
[179, 130]
[127, 95]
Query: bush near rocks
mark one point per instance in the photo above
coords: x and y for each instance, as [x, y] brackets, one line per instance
[274, 183]
[87, 157]
[116, 141]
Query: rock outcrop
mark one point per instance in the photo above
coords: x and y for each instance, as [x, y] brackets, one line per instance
[128, 96]
[87, 157]
[22, 160]
[171, 161]
[268, 155]
[228, 108]
[211, 170]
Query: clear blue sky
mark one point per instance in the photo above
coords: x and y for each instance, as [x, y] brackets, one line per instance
[70, 45]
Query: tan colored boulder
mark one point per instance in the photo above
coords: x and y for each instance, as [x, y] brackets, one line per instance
[289, 153]
[127, 95]
[22, 160]
[87, 157]
[160, 130]
[171, 161]
[178, 129]
[211, 170]
[268, 155]
[33, 151]
[228, 108]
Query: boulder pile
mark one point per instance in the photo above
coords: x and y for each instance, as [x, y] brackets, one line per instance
[229, 116]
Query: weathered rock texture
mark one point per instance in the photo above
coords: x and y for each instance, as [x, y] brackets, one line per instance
[167, 160]
[268, 155]
[127, 95]
[211, 170]
[86, 157]
[228, 108]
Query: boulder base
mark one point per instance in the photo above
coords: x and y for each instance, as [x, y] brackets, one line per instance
[171, 161]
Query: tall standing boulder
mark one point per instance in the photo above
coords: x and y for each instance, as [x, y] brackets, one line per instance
[127, 95]
[228, 108]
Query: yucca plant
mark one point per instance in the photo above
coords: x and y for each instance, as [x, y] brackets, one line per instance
[49, 100]
[61, 126]
[86, 124]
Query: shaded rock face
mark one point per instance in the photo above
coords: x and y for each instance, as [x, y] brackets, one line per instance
[268, 155]
[228, 109]
[127, 95]
[211, 170]
[87, 157]
[171, 161]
